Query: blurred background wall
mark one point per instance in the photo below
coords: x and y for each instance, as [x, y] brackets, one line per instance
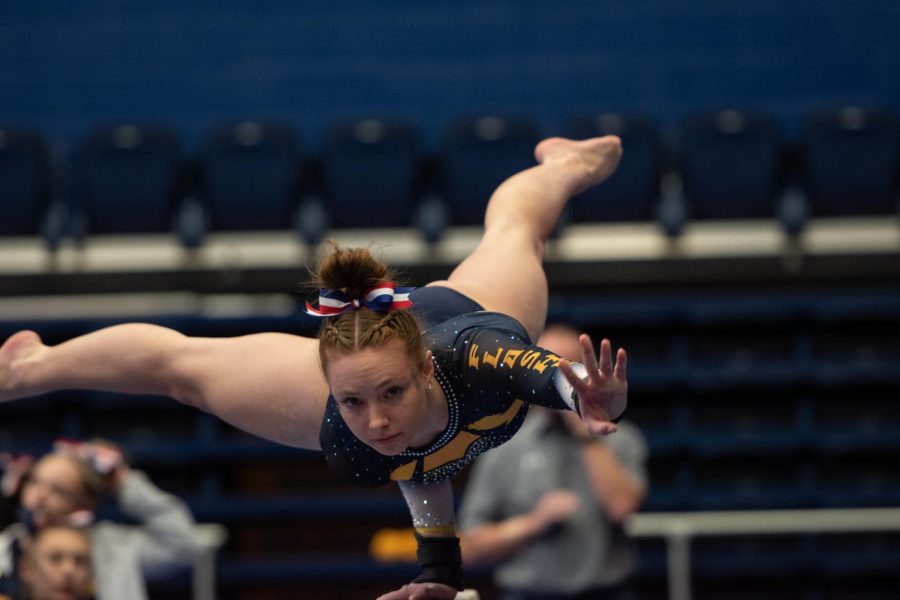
[66, 66]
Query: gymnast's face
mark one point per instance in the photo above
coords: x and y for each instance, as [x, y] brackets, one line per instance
[381, 393]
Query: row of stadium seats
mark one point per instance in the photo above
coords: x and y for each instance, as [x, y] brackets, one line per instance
[373, 173]
[776, 383]
[728, 421]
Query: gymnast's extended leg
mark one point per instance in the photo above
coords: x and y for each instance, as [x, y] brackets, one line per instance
[504, 273]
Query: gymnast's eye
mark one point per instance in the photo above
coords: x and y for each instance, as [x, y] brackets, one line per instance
[393, 392]
[351, 402]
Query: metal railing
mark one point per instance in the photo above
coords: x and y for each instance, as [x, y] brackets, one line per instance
[210, 538]
[678, 529]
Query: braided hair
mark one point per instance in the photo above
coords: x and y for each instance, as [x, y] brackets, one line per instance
[353, 271]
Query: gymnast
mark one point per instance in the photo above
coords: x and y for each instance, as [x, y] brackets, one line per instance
[402, 384]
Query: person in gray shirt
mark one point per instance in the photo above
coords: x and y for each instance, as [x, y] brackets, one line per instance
[547, 507]
[65, 486]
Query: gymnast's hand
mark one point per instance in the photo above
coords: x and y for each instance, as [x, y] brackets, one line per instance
[421, 591]
[14, 354]
[605, 389]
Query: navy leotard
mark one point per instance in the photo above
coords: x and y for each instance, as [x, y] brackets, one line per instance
[489, 371]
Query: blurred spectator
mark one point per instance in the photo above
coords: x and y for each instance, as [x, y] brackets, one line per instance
[547, 507]
[56, 565]
[65, 487]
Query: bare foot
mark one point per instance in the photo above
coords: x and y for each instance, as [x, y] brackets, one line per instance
[16, 349]
[599, 157]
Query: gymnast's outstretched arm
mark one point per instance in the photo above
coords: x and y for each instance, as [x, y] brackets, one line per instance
[268, 384]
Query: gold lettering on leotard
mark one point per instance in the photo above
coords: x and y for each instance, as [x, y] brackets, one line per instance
[454, 450]
[473, 355]
[510, 359]
[404, 472]
[550, 361]
[492, 421]
[529, 358]
[492, 359]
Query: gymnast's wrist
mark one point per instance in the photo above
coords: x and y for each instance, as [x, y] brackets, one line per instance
[440, 559]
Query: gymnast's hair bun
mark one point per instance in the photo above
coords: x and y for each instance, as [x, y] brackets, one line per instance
[351, 270]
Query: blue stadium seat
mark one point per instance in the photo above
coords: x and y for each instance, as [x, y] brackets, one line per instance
[743, 353]
[853, 339]
[769, 555]
[127, 179]
[653, 561]
[251, 176]
[764, 577]
[851, 160]
[857, 477]
[478, 155]
[750, 482]
[731, 165]
[162, 420]
[655, 359]
[761, 419]
[858, 575]
[632, 322]
[27, 187]
[859, 565]
[660, 414]
[30, 427]
[669, 483]
[371, 170]
[632, 193]
[25, 181]
[297, 323]
[854, 416]
[745, 339]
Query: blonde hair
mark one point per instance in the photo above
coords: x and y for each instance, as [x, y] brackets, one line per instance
[354, 271]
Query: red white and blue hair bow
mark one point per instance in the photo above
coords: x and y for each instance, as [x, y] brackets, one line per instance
[380, 299]
[101, 457]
